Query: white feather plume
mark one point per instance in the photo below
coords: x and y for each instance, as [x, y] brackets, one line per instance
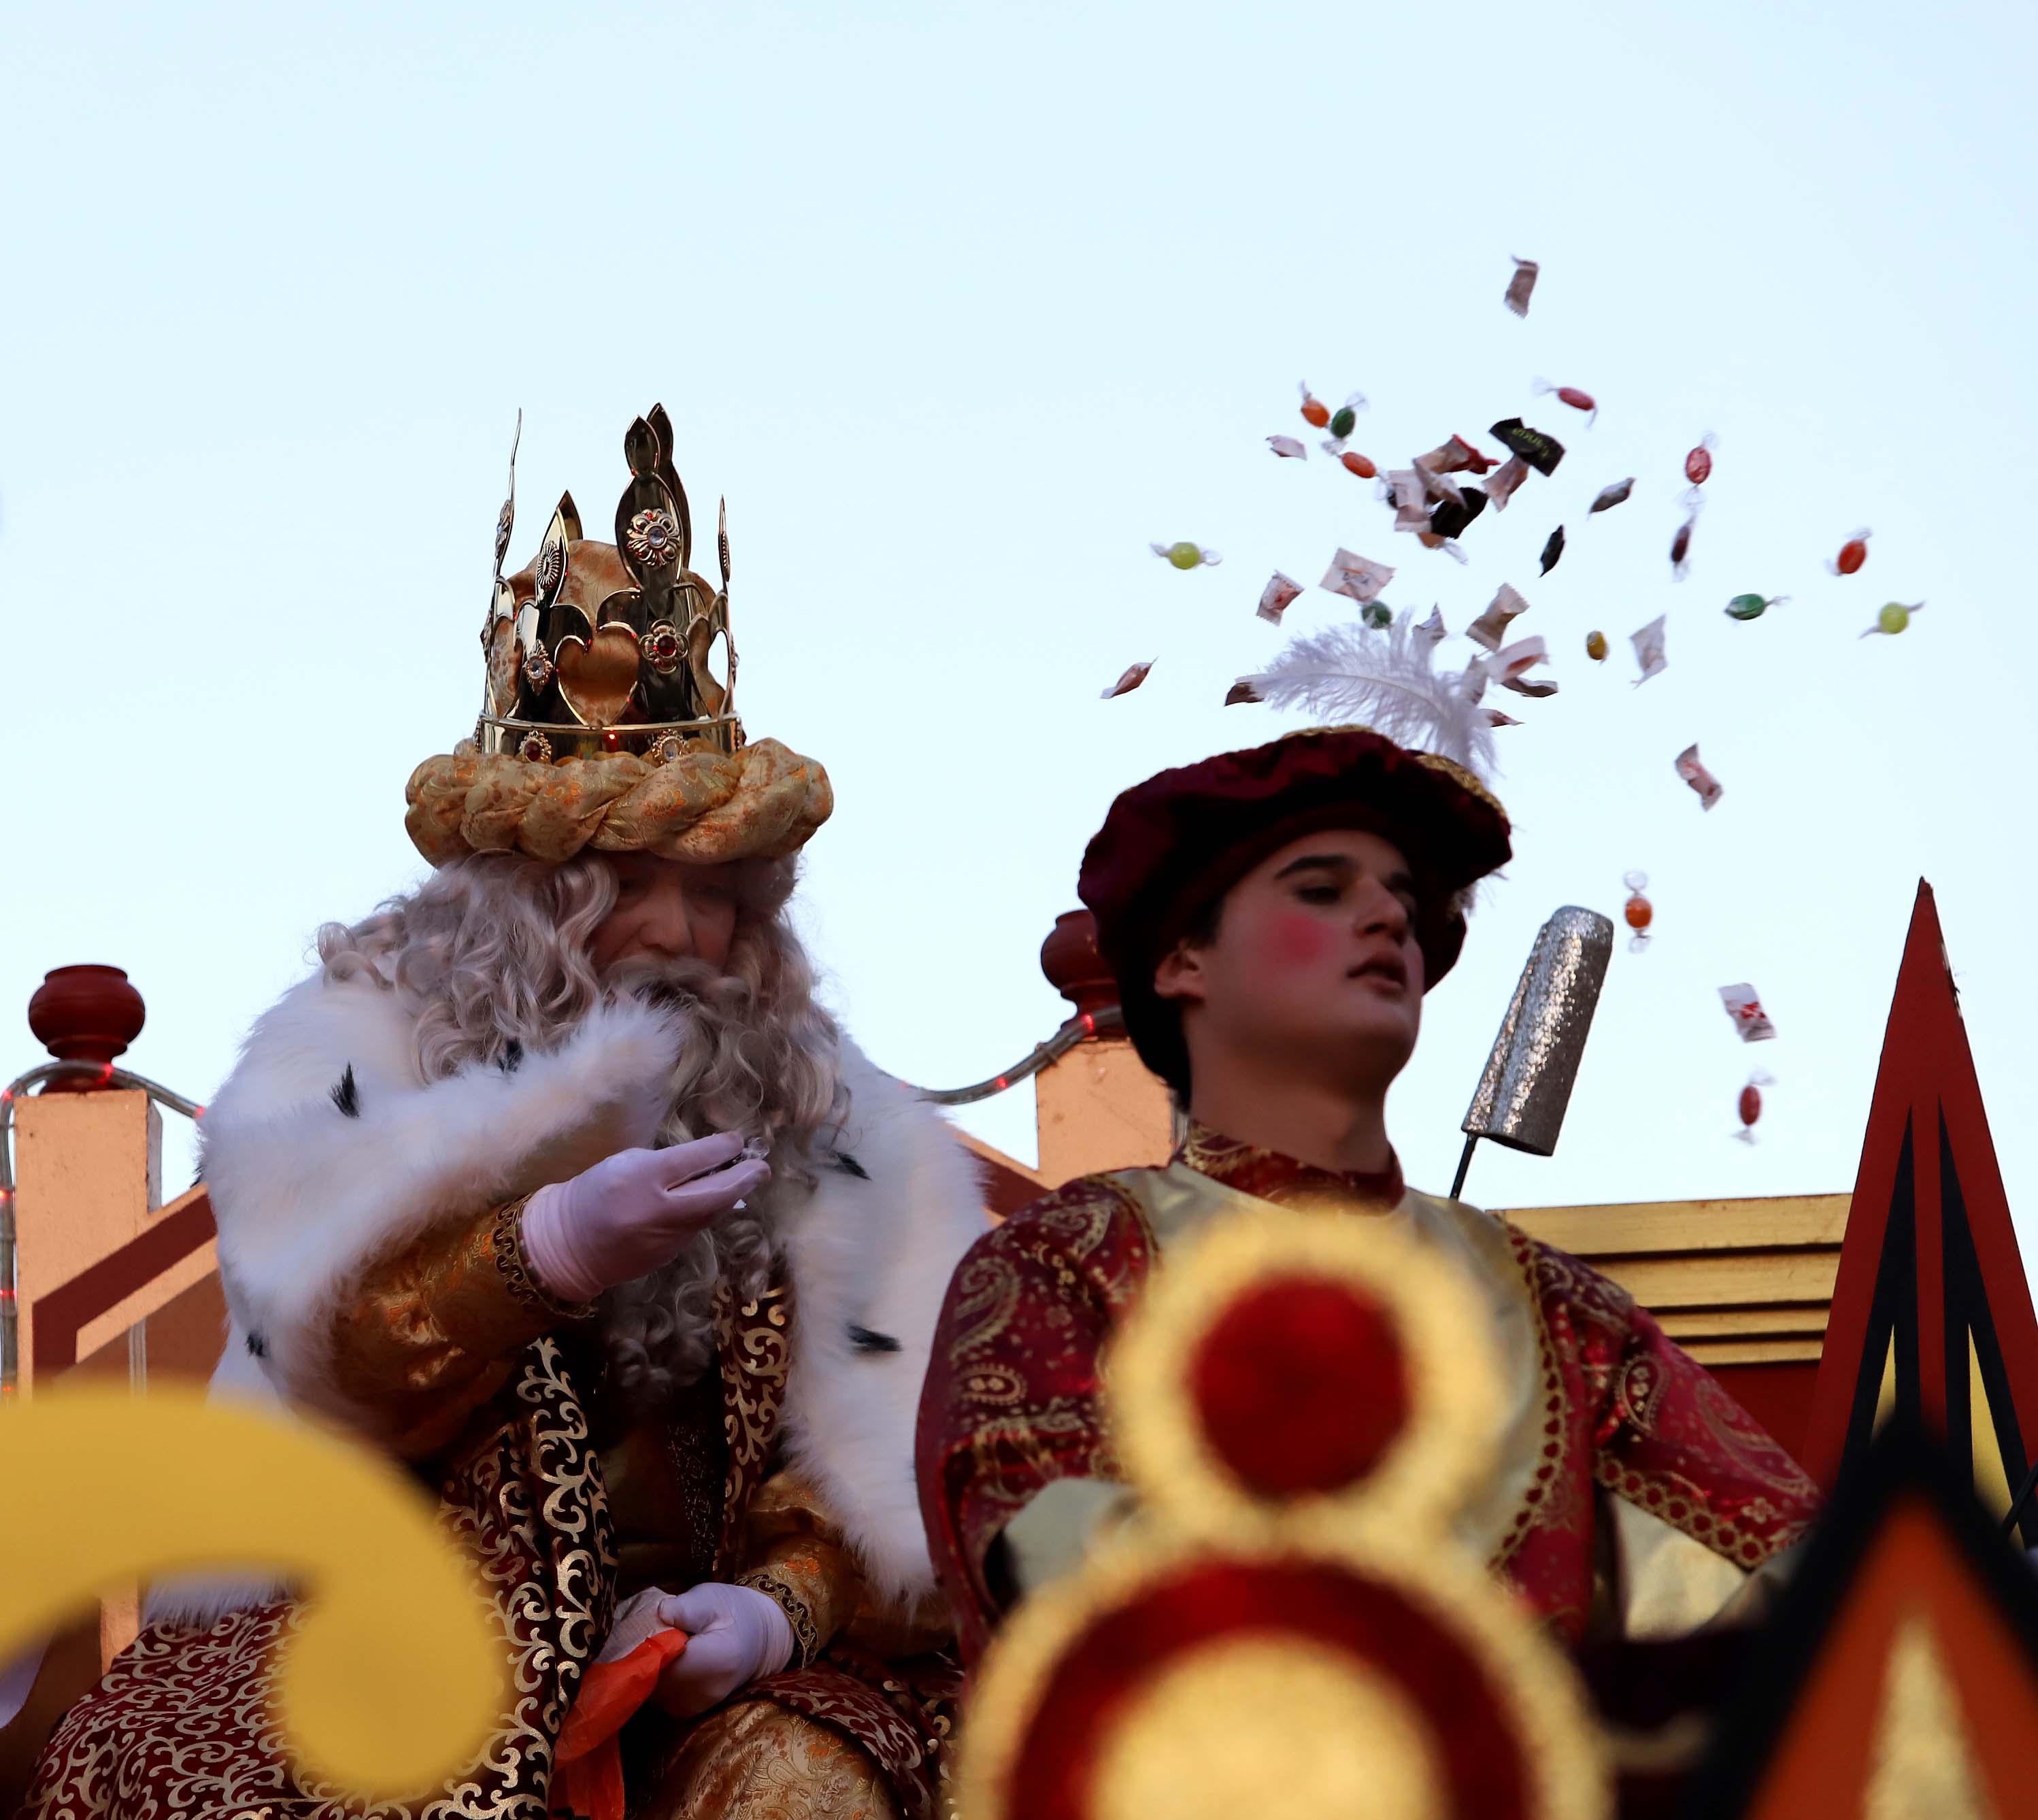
[1384, 679]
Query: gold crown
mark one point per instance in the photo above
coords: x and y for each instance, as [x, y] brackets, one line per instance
[598, 648]
[602, 726]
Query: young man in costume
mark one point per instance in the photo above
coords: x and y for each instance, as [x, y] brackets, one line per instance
[1274, 918]
[554, 1180]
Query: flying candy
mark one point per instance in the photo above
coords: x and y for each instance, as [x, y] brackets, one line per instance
[1639, 911]
[1750, 1104]
[1609, 496]
[1680, 549]
[1436, 485]
[1186, 555]
[1354, 576]
[1451, 517]
[1275, 597]
[1893, 618]
[1360, 465]
[1338, 422]
[1752, 606]
[1520, 285]
[1411, 499]
[1491, 627]
[1749, 1016]
[1648, 644]
[1376, 616]
[1509, 668]
[1454, 457]
[1853, 553]
[1288, 448]
[1134, 675]
[1698, 463]
[1699, 777]
[1552, 550]
[1596, 646]
[1541, 451]
[1510, 475]
[1569, 395]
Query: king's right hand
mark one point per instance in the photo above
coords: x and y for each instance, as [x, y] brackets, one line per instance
[632, 1212]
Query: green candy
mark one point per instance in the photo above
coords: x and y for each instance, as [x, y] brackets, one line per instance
[1377, 614]
[1184, 555]
[1341, 425]
[1750, 606]
[1893, 618]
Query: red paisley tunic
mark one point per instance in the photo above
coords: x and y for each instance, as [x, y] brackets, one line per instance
[1011, 1403]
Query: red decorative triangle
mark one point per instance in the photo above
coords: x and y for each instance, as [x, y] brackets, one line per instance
[1826, 1722]
[1930, 1279]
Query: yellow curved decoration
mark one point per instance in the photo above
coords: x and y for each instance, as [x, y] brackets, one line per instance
[397, 1675]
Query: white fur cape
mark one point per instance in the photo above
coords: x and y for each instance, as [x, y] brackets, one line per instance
[306, 1193]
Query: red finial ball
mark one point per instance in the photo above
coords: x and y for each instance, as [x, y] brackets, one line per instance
[1074, 968]
[84, 1014]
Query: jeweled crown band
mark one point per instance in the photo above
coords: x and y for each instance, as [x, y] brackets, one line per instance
[546, 743]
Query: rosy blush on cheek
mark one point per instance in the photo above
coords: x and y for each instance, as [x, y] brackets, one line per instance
[1295, 941]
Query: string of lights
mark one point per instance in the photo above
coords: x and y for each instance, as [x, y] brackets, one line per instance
[1079, 1028]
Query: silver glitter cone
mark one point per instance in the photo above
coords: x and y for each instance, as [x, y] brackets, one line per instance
[1528, 1076]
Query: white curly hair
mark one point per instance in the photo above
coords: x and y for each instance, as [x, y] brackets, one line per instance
[493, 951]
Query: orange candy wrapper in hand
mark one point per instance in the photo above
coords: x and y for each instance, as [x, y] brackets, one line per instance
[589, 1780]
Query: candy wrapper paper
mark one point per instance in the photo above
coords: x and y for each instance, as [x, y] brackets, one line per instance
[1745, 1009]
[1699, 777]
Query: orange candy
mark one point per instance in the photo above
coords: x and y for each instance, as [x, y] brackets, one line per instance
[1356, 463]
[1639, 912]
[1314, 411]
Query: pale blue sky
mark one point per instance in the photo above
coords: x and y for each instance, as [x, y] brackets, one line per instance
[960, 306]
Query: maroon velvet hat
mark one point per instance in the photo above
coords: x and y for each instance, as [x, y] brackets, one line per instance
[1172, 846]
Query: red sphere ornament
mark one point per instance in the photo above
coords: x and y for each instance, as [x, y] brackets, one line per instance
[85, 1014]
[1069, 958]
[1301, 1386]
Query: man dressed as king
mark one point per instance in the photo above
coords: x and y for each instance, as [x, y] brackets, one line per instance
[554, 1180]
[1273, 918]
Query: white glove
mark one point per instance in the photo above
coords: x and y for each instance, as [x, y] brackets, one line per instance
[631, 1212]
[735, 1634]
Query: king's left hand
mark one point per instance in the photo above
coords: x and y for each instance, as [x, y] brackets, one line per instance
[735, 1635]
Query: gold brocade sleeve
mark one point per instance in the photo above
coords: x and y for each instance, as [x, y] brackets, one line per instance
[797, 1555]
[432, 1329]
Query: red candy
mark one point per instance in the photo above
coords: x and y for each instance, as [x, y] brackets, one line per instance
[1853, 553]
[1698, 463]
[1570, 395]
[1750, 1104]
